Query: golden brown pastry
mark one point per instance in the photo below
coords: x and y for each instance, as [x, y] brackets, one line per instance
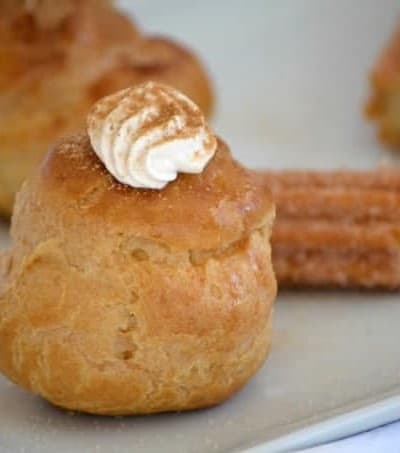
[337, 228]
[384, 103]
[57, 58]
[124, 300]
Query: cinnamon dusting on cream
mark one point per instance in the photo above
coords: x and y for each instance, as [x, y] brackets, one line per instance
[147, 134]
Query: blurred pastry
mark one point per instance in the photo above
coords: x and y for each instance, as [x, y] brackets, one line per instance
[384, 104]
[129, 288]
[337, 228]
[57, 59]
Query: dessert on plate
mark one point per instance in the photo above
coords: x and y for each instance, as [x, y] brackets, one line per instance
[139, 278]
[57, 58]
[384, 103]
[337, 228]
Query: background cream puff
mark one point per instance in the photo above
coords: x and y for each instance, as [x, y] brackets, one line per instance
[57, 59]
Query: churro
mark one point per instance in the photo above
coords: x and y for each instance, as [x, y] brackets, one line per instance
[337, 228]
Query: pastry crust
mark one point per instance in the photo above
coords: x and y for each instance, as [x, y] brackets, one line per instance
[52, 70]
[383, 107]
[117, 300]
[337, 228]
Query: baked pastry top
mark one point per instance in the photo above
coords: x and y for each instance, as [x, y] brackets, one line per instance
[229, 201]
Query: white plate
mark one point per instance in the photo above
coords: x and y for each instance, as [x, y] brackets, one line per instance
[291, 80]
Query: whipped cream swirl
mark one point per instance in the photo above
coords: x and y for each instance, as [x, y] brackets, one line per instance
[147, 134]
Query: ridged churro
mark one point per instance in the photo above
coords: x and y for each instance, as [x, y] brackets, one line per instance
[337, 228]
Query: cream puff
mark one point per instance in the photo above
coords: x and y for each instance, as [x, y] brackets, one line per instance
[139, 279]
[383, 105]
[57, 59]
